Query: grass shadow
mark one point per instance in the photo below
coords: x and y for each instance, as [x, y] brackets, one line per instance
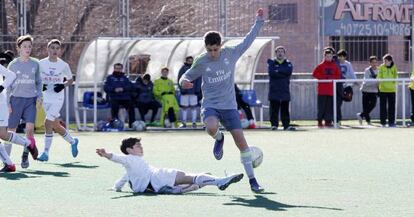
[76, 165]
[32, 174]
[263, 202]
[132, 194]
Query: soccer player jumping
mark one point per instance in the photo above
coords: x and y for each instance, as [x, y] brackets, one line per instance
[216, 67]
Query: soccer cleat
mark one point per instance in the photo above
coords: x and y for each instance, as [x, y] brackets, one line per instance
[320, 124]
[252, 126]
[25, 160]
[43, 157]
[254, 186]
[183, 125]
[218, 148]
[74, 147]
[273, 128]
[194, 125]
[32, 148]
[8, 168]
[225, 182]
[359, 118]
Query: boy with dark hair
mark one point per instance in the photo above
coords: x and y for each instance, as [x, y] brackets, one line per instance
[143, 177]
[216, 67]
[369, 91]
[164, 92]
[24, 92]
[56, 75]
[189, 97]
[347, 72]
[326, 70]
[387, 90]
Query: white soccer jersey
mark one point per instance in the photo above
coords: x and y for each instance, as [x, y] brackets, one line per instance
[4, 110]
[54, 73]
[138, 170]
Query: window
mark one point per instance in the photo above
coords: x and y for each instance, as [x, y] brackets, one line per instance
[287, 13]
[360, 48]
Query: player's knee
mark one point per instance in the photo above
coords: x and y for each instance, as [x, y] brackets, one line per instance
[3, 134]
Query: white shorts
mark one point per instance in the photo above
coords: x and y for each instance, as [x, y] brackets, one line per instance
[188, 100]
[4, 114]
[163, 177]
[4, 110]
[52, 109]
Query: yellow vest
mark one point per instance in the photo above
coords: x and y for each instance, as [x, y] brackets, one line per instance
[384, 72]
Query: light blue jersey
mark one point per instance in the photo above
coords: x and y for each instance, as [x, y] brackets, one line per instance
[28, 83]
[218, 75]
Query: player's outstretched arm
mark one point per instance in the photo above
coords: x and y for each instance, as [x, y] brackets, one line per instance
[254, 31]
[101, 152]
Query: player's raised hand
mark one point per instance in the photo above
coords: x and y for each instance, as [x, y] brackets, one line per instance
[186, 84]
[260, 14]
[101, 152]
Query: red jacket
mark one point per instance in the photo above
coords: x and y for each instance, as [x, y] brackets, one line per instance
[326, 70]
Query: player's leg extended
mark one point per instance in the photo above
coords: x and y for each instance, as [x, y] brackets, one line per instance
[13, 138]
[205, 179]
[246, 158]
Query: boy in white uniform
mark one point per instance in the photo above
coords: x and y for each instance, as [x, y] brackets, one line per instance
[56, 75]
[4, 121]
[143, 177]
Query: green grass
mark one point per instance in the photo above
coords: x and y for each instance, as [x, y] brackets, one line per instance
[346, 172]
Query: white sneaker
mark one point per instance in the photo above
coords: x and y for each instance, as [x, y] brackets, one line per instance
[225, 182]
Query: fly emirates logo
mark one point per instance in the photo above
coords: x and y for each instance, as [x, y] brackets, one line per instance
[220, 76]
[383, 10]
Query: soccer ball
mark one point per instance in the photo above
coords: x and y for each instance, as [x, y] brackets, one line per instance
[244, 123]
[139, 125]
[257, 156]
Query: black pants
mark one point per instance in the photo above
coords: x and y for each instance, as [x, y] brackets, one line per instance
[339, 102]
[144, 108]
[242, 104]
[325, 108]
[387, 108]
[283, 107]
[369, 101]
[412, 105]
[127, 104]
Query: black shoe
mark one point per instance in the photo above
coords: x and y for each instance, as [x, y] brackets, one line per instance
[25, 160]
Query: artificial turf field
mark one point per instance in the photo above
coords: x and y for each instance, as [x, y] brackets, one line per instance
[345, 172]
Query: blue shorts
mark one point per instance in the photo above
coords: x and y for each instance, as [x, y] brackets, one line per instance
[22, 108]
[229, 118]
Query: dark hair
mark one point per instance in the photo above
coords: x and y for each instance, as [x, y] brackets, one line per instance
[147, 77]
[10, 53]
[387, 57]
[212, 38]
[327, 51]
[24, 38]
[330, 49]
[165, 68]
[54, 41]
[189, 57]
[118, 64]
[372, 58]
[342, 52]
[128, 143]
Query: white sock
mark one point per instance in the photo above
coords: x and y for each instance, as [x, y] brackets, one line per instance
[205, 179]
[218, 135]
[184, 115]
[17, 139]
[68, 138]
[48, 142]
[8, 147]
[194, 114]
[5, 157]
